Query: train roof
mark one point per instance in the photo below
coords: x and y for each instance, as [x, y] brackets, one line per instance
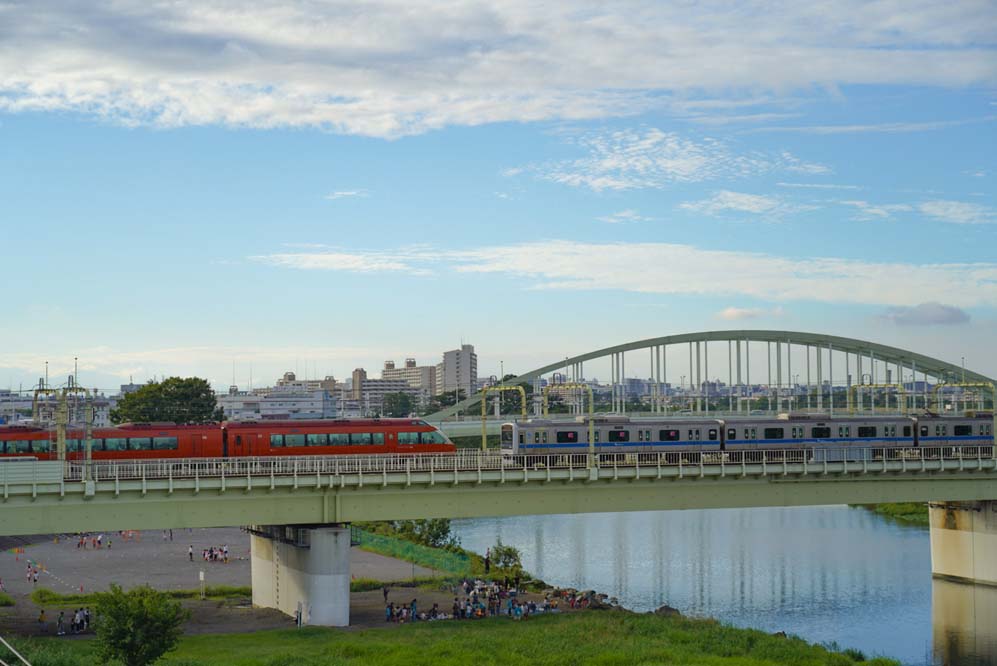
[317, 423]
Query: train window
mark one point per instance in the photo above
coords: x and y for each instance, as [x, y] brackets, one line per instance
[377, 438]
[164, 443]
[647, 435]
[72, 445]
[567, 437]
[23, 446]
[670, 435]
[139, 443]
[596, 435]
[713, 433]
[520, 438]
[544, 438]
[924, 431]
[40, 446]
[866, 431]
[962, 430]
[536, 437]
[338, 439]
[731, 433]
[294, 440]
[276, 441]
[640, 435]
[618, 436]
[363, 438]
[117, 444]
[774, 433]
[906, 431]
[434, 437]
[820, 432]
[317, 439]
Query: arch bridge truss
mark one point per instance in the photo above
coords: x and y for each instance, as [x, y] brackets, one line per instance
[794, 370]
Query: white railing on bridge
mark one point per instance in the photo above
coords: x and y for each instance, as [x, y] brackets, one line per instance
[479, 461]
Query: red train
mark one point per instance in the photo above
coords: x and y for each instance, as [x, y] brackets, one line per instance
[231, 439]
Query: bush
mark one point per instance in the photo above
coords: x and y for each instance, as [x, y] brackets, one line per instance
[138, 626]
[6, 599]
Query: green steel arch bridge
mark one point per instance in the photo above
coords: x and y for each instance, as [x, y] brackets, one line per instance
[773, 353]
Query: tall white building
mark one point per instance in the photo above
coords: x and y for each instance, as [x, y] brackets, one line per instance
[459, 370]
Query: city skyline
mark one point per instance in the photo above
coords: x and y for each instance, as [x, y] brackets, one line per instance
[306, 185]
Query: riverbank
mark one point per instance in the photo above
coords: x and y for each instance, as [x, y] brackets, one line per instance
[594, 637]
[909, 513]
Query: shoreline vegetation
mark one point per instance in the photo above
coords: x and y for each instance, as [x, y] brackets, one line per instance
[908, 513]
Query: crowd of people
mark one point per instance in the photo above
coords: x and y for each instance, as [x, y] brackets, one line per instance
[480, 599]
[210, 554]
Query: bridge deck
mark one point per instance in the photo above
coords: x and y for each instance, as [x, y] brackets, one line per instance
[54, 497]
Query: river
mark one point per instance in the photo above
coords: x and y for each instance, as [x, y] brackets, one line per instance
[828, 574]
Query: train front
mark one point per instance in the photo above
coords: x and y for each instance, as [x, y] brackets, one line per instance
[509, 439]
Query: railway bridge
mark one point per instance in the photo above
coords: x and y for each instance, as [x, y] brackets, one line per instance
[299, 508]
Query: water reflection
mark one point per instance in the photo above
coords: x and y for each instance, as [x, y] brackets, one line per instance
[824, 573]
[964, 624]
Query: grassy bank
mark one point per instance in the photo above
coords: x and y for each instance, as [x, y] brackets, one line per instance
[611, 638]
[6, 599]
[46, 597]
[911, 513]
[446, 562]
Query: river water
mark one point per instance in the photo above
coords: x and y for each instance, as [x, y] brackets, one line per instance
[828, 574]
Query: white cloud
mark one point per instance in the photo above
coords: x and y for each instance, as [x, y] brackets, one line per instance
[671, 268]
[869, 211]
[345, 194]
[392, 68]
[348, 262]
[958, 212]
[667, 268]
[819, 186]
[738, 202]
[628, 215]
[651, 158]
[796, 165]
[737, 314]
[887, 128]
[926, 314]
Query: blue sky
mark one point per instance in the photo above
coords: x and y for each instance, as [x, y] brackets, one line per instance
[185, 186]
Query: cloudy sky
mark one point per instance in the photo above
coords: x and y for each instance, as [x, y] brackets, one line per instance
[188, 186]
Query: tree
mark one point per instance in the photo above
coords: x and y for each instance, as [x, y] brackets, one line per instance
[397, 404]
[138, 626]
[432, 532]
[180, 400]
[507, 558]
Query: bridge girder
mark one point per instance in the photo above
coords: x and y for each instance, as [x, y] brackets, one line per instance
[932, 366]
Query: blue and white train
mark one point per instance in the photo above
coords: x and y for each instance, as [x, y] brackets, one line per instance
[758, 438]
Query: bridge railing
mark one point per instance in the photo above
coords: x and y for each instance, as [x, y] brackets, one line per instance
[475, 460]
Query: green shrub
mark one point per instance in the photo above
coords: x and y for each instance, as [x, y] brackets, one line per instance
[6, 599]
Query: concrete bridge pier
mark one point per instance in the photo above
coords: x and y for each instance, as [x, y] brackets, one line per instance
[964, 541]
[303, 568]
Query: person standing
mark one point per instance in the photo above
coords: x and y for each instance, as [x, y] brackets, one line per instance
[190, 552]
[384, 591]
[60, 627]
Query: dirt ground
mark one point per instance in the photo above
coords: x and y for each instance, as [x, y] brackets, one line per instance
[153, 558]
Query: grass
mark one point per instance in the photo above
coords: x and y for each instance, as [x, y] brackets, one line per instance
[611, 638]
[912, 513]
[6, 599]
[455, 564]
[46, 597]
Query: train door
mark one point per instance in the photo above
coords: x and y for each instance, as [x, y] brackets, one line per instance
[238, 445]
[196, 446]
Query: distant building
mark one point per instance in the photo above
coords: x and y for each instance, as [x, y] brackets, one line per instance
[422, 378]
[369, 393]
[459, 370]
[289, 380]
